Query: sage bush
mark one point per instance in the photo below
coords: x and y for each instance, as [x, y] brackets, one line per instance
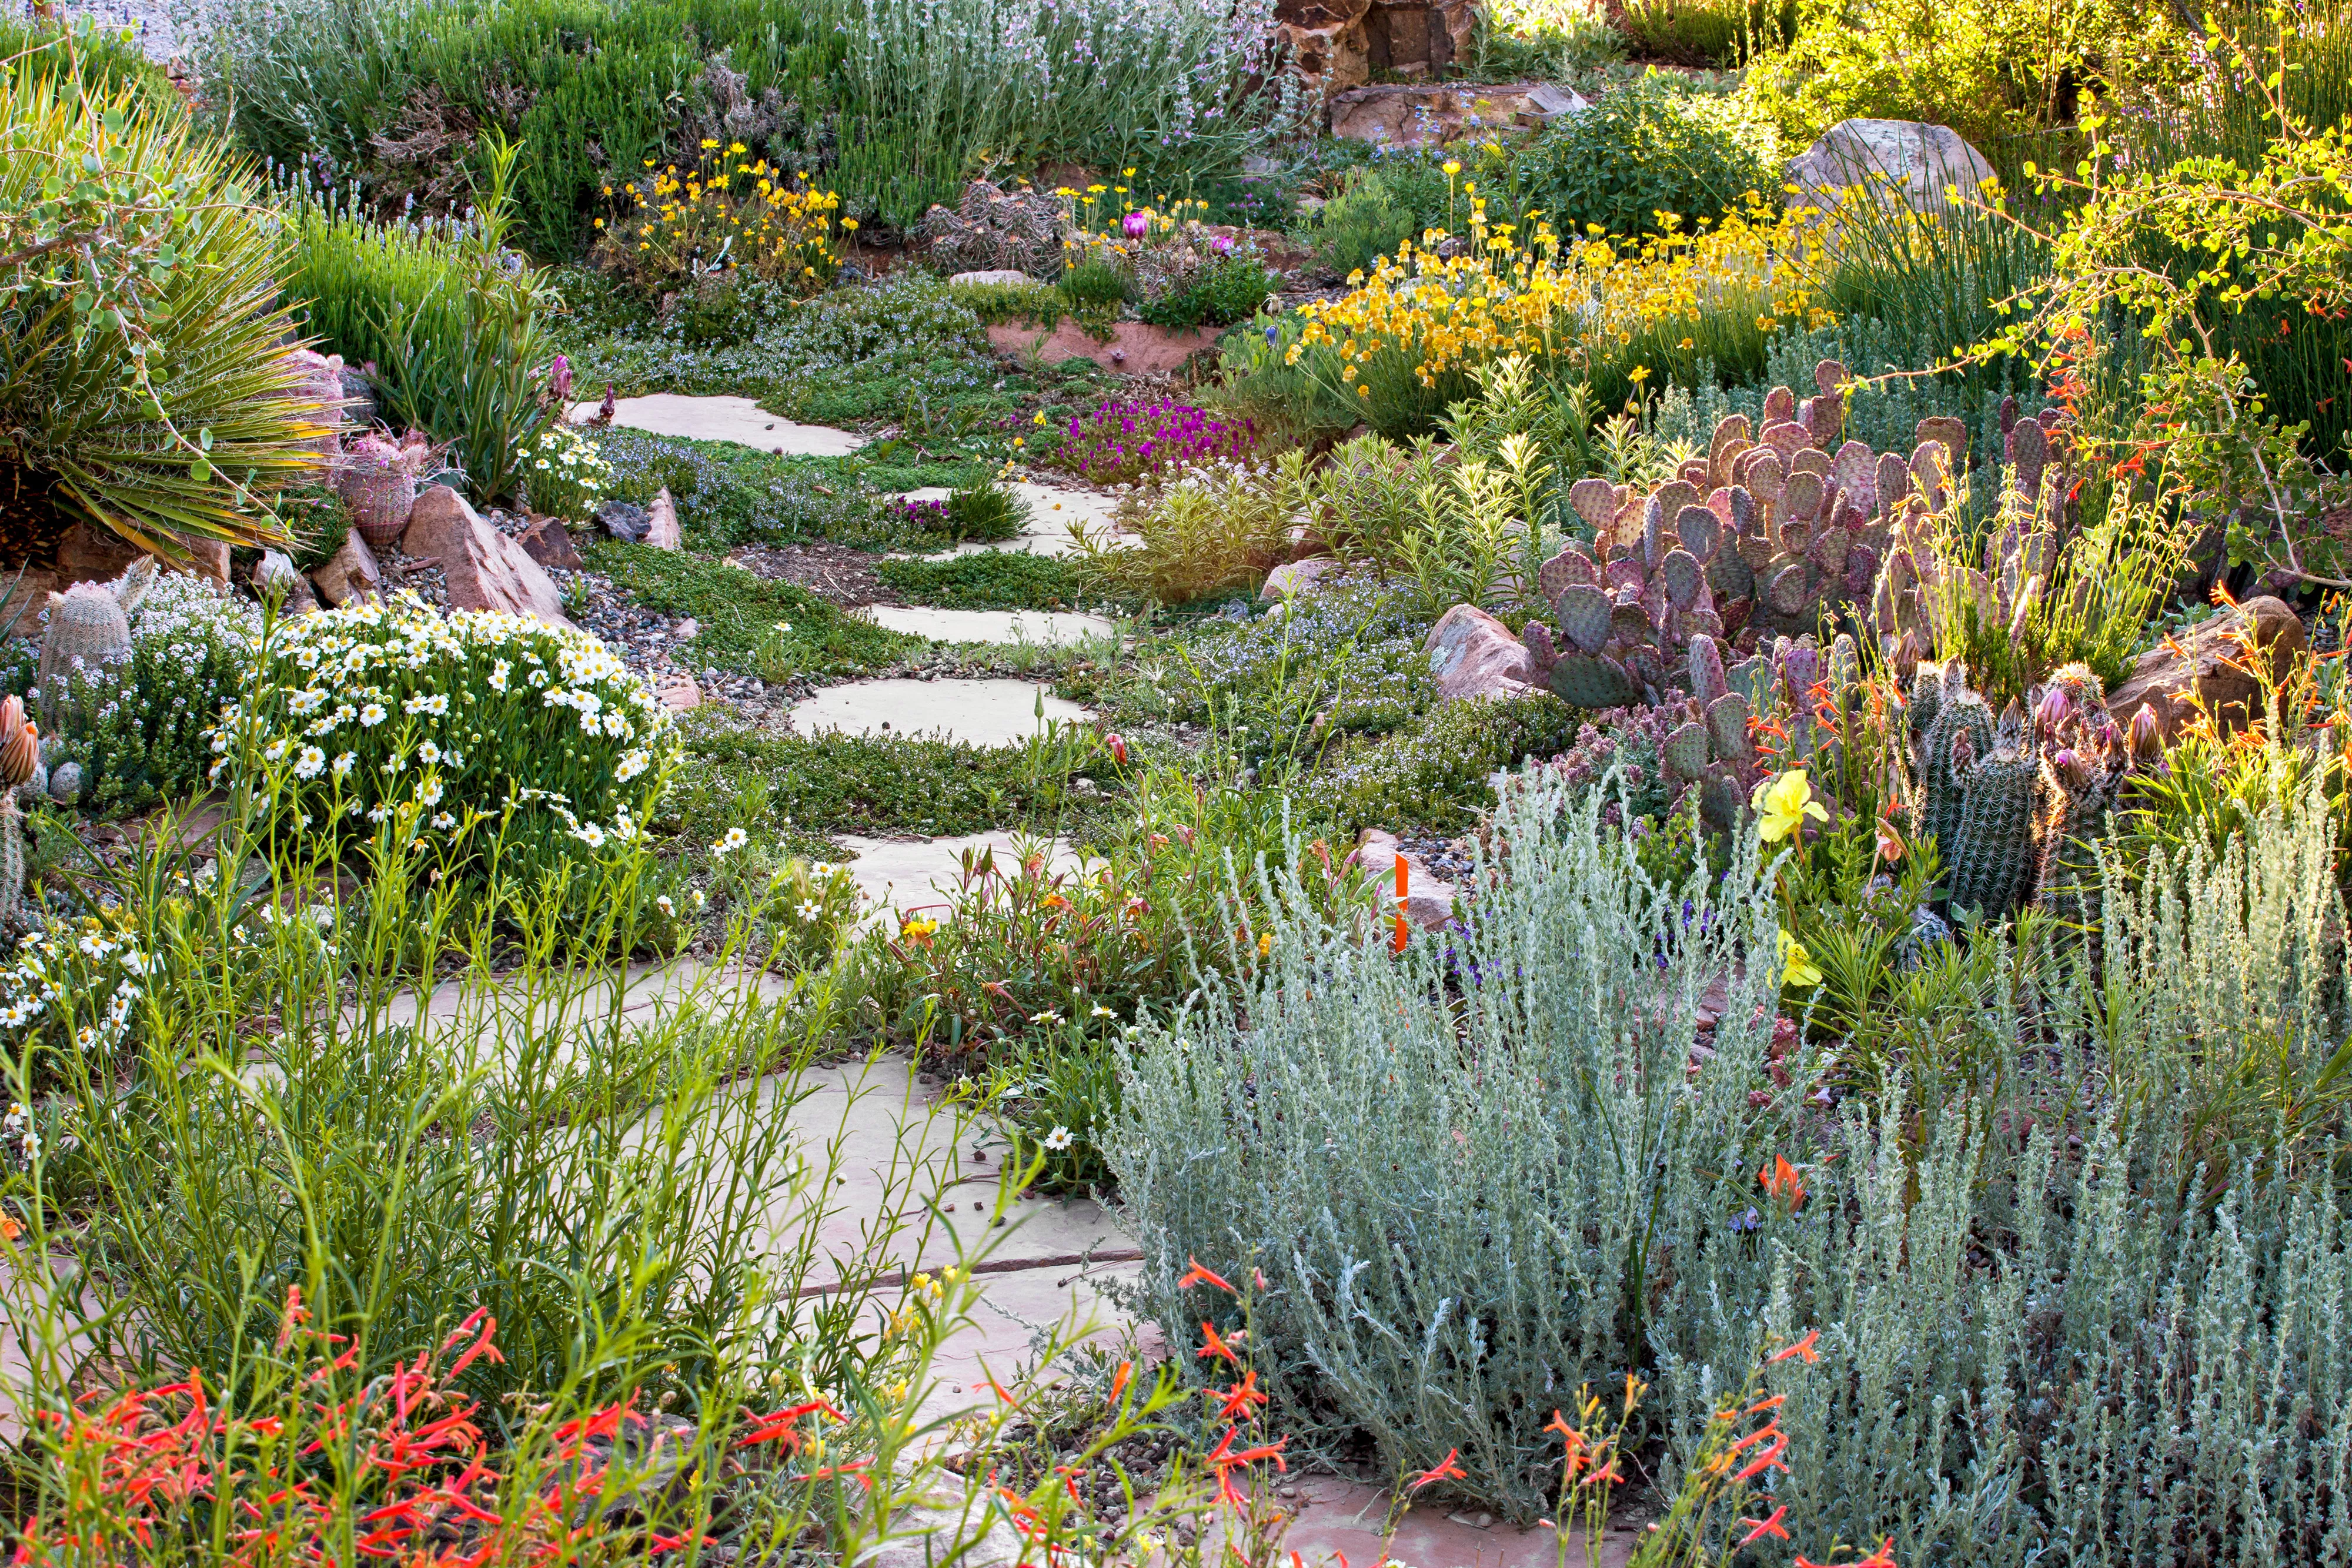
[2093, 1313]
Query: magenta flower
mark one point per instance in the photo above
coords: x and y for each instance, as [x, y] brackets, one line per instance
[1135, 225]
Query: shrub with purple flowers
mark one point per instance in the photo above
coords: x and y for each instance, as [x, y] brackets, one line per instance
[1123, 441]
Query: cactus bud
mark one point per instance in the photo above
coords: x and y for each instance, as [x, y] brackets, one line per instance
[2147, 736]
[2052, 711]
[2070, 768]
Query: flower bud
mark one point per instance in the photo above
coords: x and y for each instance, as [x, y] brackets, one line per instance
[2072, 770]
[2053, 710]
[2147, 736]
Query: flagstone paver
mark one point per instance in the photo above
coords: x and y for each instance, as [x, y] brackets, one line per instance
[735, 419]
[983, 712]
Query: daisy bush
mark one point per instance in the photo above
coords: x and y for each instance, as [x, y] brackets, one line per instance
[394, 709]
[71, 986]
[564, 475]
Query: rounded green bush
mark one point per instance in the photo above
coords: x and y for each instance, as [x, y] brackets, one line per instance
[1650, 147]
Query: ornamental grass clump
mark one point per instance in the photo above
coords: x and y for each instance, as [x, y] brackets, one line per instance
[1125, 439]
[396, 710]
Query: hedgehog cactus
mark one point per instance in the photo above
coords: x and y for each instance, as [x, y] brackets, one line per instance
[89, 624]
[2017, 808]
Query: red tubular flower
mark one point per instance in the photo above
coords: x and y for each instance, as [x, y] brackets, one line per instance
[1803, 1348]
[1224, 1459]
[1769, 1459]
[1213, 1344]
[1444, 1470]
[1760, 1528]
[1197, 1275]
[1240, 1397]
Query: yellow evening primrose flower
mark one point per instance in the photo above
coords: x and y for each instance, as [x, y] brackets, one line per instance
[1797, 967]
[1782, 805]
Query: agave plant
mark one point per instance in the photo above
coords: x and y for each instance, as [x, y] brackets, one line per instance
[146, 387]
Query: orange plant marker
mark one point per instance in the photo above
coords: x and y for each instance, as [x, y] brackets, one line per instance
[1403, 870]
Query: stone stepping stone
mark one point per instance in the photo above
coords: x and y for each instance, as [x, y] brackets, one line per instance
[981, 711]
[1054, 511]
[1049, 627]
[736, 419]
[910, 874]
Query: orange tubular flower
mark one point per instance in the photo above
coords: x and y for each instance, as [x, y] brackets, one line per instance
[1240, 1397]
[1802, 1349]
[1211, 1344]
[1760, 1528]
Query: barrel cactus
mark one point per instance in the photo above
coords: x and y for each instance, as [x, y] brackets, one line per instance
[89, 626]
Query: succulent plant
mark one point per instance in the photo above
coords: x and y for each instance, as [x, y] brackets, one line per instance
[89, 623]
[994, 228]
[2017, 806]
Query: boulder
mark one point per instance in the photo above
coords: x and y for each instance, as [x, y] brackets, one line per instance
[1335, 45]
[2216, 664]
[485, 570]
[1475, 655]
[662, 531]
[1428, 898]
[678, 691]
[1135, 349]
[1920, 161]
[993, 275]
[352, 573]
[547, 541]
[622, 521]
[1297, 577]
[1407, 115]
[276, 575]
[92, 555]
[27, 599]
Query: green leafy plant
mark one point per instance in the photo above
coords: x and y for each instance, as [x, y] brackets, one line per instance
[1226, 290]
[988, 579]
[1709, 32]
[749, 623]
[1651, 146]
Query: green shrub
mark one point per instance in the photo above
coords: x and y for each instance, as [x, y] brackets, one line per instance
[1709, 32]
[564, 475]
[396, 710]
[1650, 146]
[996, 303]
[1094, 284]
[1523, 40]
[145, 726]
[1363, 222]
[751, 624]
[144, 386]
[1231, 289]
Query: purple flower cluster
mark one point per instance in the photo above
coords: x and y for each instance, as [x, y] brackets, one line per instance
[1121, 441]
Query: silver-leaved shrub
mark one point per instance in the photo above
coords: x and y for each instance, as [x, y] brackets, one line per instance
[2097, 1308]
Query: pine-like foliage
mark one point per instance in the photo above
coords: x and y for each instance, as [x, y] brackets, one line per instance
[2100, 1313]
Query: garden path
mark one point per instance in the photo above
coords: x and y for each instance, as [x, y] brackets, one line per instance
[900, 876]
[735, 419]
[1049, 628]
[981, 712]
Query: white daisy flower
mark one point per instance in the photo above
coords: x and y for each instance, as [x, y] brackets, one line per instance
[1059, 1138]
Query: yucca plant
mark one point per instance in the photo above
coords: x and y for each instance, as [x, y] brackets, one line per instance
[145, 387]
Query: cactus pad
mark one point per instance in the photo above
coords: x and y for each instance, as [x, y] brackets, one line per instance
[1684, 751]
[1591, 682]
[1683, 577]
[1584, 616]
